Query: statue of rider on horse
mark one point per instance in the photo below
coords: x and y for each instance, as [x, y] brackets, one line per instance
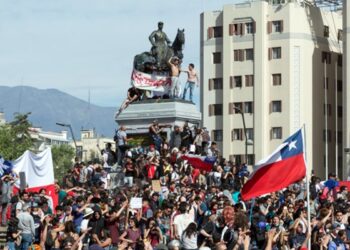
[162, 50]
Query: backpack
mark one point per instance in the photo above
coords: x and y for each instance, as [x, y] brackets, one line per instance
[110, 158]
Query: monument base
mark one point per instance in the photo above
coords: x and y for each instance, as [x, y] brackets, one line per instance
[138, 117]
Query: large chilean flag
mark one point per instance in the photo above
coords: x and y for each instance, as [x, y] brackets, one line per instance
[200, 162]
[39, 173]
[283, 167]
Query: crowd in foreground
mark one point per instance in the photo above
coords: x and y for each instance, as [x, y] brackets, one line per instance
[193, 209]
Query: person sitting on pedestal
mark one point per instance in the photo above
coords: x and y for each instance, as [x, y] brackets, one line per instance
[134, 94]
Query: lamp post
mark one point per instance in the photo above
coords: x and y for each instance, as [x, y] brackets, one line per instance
[245, 132]
[71, 130]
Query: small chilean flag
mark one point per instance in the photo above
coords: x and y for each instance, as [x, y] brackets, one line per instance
[283, 167]
[200, 162]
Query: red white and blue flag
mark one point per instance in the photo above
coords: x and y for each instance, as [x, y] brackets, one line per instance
[286, 165]
[200, 162]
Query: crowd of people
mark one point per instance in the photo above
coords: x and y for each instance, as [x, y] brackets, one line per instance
[190, 209]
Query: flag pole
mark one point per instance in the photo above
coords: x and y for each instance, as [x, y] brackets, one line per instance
[307, 190]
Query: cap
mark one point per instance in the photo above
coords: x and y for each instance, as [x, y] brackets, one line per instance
[88, 211]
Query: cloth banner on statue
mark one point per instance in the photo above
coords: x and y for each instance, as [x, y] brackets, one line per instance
[38, 169]
[150, 82]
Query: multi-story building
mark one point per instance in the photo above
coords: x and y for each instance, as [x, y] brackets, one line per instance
[43, 139]
[280, 64]
[346, 92]
[90, 144]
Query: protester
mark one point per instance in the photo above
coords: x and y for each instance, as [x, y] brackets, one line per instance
[192, 79]
[133, 95]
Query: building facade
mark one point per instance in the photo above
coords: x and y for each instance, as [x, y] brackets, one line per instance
[43, 139]
[346, 92]
[279, 64]
[90, 145]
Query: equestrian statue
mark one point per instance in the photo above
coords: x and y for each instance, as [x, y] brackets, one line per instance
[162, 50]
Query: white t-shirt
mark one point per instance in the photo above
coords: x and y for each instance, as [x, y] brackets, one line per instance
[182, 221]
[84, 224]
[189, 243]
[105, 180]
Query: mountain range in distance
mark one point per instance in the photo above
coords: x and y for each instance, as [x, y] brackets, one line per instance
[49, 106]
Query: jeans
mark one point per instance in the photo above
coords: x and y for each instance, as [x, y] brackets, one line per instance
[121, 154]
[4, 207]
[26, 241]
[189, 85]
[157, 140]
[175, 87]
[128, 180]
[11, 245]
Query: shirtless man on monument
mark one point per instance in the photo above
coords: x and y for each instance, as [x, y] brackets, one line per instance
[175, 70]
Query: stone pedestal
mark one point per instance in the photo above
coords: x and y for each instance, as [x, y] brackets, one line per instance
[139, 116]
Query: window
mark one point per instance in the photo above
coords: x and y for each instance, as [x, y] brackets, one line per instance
[277, 26]
[237, 107]
[326, 57]
[276, 133]
[340, 35]
[217, 31]
[237, 159]
[276, 53]
[248, 107]
[249, 80]
[249, 54]
[276, 79]
[340, 60]
[236, 29]
[339, 85]
[214, 32]
[327, 109]
[251, 159]
[275, 2]
[215, 83]
[237, 134]
[276, 106]
[340, 111]
[250, 133]
[249, 28]
[325, 31]
[238, 55]
[327, 135]
[217, 57]
[215, 109]
[237, 82]
[217, 134]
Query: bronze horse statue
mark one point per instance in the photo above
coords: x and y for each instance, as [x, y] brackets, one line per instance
[147, 63]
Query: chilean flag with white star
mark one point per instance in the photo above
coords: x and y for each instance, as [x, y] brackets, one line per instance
[285, 166]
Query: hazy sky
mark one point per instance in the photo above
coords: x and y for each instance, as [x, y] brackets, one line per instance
[74, 45]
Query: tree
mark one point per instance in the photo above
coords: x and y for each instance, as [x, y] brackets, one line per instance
[15, 138]
[62, 156]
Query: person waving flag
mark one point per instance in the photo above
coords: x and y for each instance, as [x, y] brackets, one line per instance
[286, 165]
